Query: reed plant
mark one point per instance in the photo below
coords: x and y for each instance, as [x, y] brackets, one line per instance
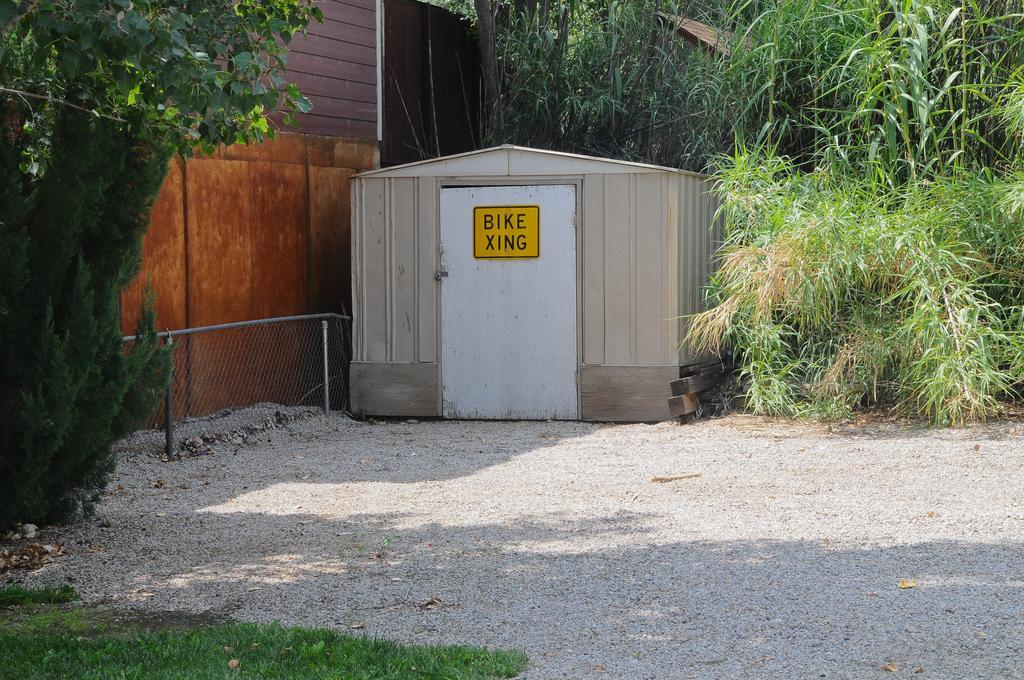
[611, 79]
[882, 262]
[839, 293]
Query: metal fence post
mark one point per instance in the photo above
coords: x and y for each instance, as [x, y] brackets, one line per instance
[327, 385]
[169, 399]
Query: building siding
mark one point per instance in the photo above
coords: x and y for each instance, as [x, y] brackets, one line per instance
[335, 65]
[647, 244]
[646, 248]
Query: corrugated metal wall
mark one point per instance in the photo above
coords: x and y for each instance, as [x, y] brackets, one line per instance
[700, 237]
[394, 258]
[647, 246]
[629, 269]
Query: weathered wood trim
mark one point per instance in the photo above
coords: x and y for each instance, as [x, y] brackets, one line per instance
[383, 389]
[683, 404]
[626, 393]
[699, 382]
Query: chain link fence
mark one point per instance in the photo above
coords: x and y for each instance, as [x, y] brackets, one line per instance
[292, 360]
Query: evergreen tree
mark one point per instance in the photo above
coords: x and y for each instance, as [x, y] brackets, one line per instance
[70, 388]
[96, 98]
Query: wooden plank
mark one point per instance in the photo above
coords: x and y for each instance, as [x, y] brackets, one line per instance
[327, 125]
[163, 259]
[280, 236]
[697, 366]
[310, 62]
[334, 46]
[286, 147]
[349, 14]
[330, 86]
[332, 27]
[220, 282]
[343, 108]
[683, 405]
[697, 383]
[330, 239]
[248, 259]
[405, 109]
[626, 393]
[368, 5]
[384, 389]
[454, 72]
[335, 152]
[335, 66]
[430, 83]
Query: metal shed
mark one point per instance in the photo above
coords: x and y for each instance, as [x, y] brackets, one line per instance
[518, 283]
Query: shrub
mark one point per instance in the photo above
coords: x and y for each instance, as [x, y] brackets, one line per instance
[841, 293]
[69, 388]
[96, 97]
[881, 263]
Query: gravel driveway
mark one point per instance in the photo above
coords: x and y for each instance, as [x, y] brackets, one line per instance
[781, 559]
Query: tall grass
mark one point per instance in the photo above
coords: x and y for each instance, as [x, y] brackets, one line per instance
[610, 78]
[838, 294]
[881, 261]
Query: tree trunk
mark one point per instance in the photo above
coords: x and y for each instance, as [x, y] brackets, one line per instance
[493, 114]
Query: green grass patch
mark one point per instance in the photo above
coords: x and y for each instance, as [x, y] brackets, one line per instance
[15, 595]
[44, 620]
[232, 650]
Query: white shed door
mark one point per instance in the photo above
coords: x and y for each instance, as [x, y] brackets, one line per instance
[508, 302]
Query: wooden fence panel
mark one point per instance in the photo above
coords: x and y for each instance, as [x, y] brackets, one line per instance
[431, 83]
[330, 232]
[163, 257]
[254, 232]
[279, 233]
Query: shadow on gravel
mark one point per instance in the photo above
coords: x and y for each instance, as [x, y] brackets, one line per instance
[380, 451]
[600, 596]
[95, 621]
[585, 591]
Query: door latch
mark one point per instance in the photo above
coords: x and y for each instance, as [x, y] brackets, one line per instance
[440, 274]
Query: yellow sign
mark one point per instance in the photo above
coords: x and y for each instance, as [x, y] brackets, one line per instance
[504, 232]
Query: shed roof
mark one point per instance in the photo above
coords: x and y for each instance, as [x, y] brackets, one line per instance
[509, 160]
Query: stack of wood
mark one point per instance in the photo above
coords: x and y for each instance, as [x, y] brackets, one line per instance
[693, 379]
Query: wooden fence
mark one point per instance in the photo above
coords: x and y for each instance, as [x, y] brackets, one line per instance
[431, 83]
[251, 233]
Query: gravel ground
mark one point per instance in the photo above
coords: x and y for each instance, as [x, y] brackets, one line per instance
[781, 559]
